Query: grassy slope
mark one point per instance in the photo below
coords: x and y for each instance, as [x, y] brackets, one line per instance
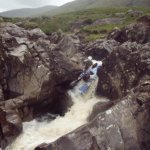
[88, 4]
[64, 21]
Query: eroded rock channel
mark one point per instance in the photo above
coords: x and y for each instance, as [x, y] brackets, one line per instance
[35, 78]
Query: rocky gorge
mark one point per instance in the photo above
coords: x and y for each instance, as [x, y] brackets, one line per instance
[36, 72]
[31, 72]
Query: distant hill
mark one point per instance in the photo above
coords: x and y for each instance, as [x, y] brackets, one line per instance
[27, 12]
[86, 4]
[72, 6]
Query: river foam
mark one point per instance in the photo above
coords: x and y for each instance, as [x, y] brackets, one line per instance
[35, 132]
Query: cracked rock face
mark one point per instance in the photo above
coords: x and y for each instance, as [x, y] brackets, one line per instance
[32, 74]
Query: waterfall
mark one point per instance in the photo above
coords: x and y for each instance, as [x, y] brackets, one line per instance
[35, 132]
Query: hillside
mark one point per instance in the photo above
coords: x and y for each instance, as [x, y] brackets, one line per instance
[27, 12]
[87, 4]
[73, 6]
[93, 23]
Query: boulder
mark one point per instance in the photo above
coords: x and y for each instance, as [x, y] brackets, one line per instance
[100, 107]
[100, 49]
[36, 33]
[138, 32]
[123, 69]
[69, 45]
[10, 127]
[145, 20]
[56, 37]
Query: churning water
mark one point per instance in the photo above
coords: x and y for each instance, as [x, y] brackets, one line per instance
[35, 132]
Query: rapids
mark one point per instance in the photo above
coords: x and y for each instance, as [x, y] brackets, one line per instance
[35, 132]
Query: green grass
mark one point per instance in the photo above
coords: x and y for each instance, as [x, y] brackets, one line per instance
[93, 37]
[65, 21]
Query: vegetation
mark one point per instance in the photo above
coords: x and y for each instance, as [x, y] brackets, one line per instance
[66, 21]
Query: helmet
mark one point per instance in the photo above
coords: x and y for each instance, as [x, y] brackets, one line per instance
[90, 57]
[100, 63]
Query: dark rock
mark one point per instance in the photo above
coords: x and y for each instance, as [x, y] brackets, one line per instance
[10, 126]
[144, 19]
[100, 107]
[100, 49]
[56, 37]
[41, 147]
[34, 78]
[1, 94]
[138, 32]
[124, 126]
[123, 69]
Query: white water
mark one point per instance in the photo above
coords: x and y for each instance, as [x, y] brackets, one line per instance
[35, 133]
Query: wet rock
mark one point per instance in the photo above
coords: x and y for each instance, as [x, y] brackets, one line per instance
[100, 49]
[100, 107]
[41, 147]
[10, 127]
[124, 126]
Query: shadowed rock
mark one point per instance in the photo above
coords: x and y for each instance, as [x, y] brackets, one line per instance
[34, 78]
